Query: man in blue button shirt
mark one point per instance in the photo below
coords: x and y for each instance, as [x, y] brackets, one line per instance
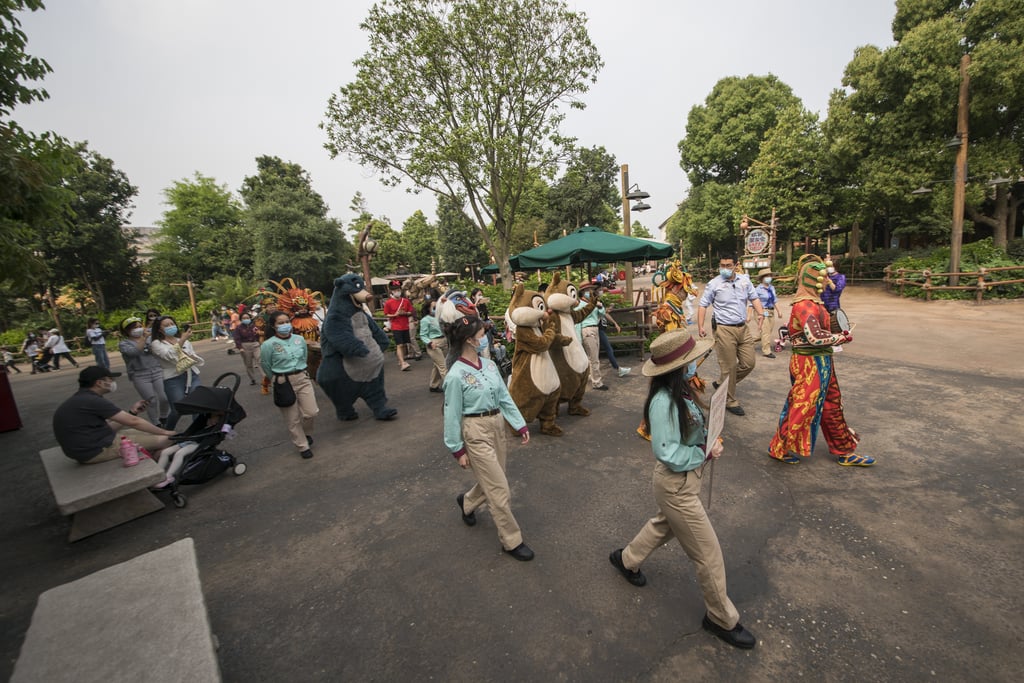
[728, 294]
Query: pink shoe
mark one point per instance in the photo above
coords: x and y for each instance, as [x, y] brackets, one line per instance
[164, 484]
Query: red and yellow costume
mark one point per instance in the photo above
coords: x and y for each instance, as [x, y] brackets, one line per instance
[814, 398]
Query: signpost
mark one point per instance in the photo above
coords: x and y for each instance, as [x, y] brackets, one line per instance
[758, 242]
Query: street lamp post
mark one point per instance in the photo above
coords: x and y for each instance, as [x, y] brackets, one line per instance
[629, 193]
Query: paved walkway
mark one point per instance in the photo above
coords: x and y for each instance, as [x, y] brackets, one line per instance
[355, 565]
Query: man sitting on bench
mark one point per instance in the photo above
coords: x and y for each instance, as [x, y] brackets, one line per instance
[86, 425]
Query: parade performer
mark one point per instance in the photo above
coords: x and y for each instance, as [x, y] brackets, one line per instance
[353, 353]
[534, 384]
[304, 308]
[814, 398]
[571, 360]
[676, 308]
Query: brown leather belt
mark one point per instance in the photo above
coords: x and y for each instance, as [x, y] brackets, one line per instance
[486, 413]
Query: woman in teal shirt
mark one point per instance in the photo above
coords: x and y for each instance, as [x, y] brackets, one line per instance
[678, 437]
[283, 359]
[476, 406]
[437, 345]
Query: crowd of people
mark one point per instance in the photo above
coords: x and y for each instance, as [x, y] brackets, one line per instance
[480, 414]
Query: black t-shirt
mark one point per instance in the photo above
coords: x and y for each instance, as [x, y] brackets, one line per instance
[80, 425]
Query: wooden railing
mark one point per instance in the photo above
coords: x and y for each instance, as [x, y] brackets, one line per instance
[923, 279]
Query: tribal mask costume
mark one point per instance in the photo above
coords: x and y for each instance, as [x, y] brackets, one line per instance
[814, 398]
[677, 285]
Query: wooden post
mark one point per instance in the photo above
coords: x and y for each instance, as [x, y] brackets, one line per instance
[624, 172]
[980, 294]
[960, 174]
[927, 284]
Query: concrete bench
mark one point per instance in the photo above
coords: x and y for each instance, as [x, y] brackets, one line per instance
[103, 495]
[141, 620]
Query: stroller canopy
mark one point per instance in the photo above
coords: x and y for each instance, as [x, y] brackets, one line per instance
[204, 399]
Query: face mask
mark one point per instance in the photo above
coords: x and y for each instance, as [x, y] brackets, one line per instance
[726, 273]
[690, 371]
[481, 344]
[830, 270]
[137, 332]
[284, 330]
[171, 331]
[113, 387]
[767, 280]
[246, 321]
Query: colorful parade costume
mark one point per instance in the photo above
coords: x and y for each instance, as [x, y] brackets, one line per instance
[814, 397]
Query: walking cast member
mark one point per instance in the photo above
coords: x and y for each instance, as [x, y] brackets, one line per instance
[814, 396]
[433, 339]
[247, 343]
[772, 309]
[727, 294]
[283, 357]
[678, 437]
[476, 406]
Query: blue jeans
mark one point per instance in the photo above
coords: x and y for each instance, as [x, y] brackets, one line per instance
[606, 346]
[174, 387]
[99, 351]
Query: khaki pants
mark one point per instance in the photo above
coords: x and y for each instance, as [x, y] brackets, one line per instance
[767, 333]
[298, 417]
[592, 345]
[735, 349]
[486, 441]
[250, 352]
[681, 515]
[151, 442]
[437, 354]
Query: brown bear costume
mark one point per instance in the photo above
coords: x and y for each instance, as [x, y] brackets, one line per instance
[570, 360]
[534, 383]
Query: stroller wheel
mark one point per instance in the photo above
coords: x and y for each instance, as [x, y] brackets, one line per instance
[239, 469]
[179, 500]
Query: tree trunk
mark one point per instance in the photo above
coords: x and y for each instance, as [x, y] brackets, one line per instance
[853, 246]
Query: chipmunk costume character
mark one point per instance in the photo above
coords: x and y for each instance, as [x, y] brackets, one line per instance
[562, 297]
[534, 384]
[676, 308]
[814, 398]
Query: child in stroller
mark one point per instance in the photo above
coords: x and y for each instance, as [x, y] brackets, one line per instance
[196, 457]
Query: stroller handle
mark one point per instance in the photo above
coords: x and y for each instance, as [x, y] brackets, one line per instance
[235, 375]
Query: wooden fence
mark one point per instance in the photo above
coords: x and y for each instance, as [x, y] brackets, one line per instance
[904, 277]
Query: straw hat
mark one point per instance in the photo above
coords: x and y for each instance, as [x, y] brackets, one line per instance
[764, 272]
[672, 350]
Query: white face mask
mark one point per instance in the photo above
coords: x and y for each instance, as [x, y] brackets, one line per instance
[830, 270]
[113, 387]
[767, 280]
[137, 332]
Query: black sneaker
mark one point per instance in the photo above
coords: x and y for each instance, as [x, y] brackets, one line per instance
[306, 454]
[470, 519]
[636, 578]
[737, 636]
[521, 552]
[309, 439]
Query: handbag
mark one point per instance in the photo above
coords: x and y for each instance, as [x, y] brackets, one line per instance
[284, 393]
[184, 361]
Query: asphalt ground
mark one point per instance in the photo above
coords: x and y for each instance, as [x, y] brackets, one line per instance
[356, 566]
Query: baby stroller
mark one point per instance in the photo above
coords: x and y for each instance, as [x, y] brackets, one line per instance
[208, 460]
[41, 361]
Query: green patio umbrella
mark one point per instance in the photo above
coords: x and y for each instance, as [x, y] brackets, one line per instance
[589, 244]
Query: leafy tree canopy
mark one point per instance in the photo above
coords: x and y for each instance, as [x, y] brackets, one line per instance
[463, 97]
[457, 236]
[586, 194]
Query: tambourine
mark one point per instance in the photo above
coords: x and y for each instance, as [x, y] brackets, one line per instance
[842, 320]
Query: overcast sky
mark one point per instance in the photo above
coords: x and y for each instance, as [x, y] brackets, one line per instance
[168, 88]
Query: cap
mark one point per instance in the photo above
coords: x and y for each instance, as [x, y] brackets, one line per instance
[93, 373]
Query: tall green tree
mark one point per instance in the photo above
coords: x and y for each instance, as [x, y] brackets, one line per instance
[465, 97]
[708, 219]
[638, 229]
[724, 135]
[457, 236]
[92, 249]
[586, 194]
[899, 106]
[291, 233]
[202, 234]
[787, 176]
[420, 239]
[31, 166]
